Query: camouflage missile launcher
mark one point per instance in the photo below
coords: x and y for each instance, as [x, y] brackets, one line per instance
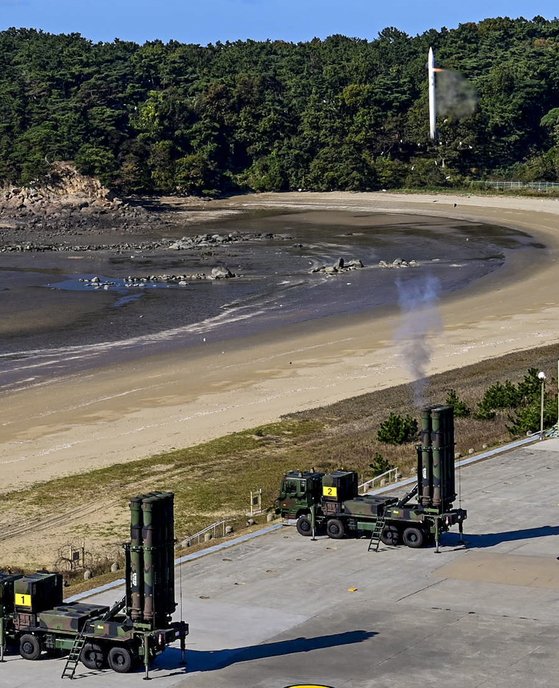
[331, 502]
[136, 628]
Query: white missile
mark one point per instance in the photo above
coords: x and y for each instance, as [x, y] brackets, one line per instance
[432, 96]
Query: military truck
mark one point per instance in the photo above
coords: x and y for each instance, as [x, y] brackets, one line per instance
[330, 502]
[34, 617]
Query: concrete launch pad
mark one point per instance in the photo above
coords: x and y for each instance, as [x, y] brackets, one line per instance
[282, 609]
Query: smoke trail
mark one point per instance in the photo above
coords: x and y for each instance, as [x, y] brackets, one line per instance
[420, 318]
[456, 97]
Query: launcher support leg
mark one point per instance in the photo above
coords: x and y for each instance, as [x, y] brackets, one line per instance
[183, 646]
[437, 536]
[461, 532]
[313, 522]
[2, 639]
[146, 658]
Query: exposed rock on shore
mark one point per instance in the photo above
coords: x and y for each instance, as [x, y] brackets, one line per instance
[206, 240]
[398, 263]
[217, 273]
[196, 242]
[339, 266]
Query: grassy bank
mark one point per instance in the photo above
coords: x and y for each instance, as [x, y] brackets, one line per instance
[213, 481]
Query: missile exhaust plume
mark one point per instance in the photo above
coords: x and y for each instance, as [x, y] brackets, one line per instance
[456, 97]
[420, 319]
[449, 94]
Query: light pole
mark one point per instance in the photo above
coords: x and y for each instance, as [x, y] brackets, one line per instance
[541, 378]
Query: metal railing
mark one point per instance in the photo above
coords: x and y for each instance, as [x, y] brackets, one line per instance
[509, 186]
[389, 476]
[216, 530]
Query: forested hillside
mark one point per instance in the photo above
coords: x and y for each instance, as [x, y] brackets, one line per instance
[339, 113]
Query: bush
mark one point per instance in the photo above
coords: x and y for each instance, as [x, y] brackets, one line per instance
[380, 464]
[484, 412]
[530, 387]
[397, 429]
[527, 418]
[501, 395]
[507, 395]
[460, 408]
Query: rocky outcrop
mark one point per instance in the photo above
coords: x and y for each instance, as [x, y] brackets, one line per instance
[67, 199]
[186, 243]
[340, 266]
[217, 273]
[63, 187]
[398, 263]
[208, 240]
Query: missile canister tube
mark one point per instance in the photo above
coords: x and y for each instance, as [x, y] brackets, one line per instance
[136, 574]
[448, 482]
[426, 475]
[436, 437]
[147, 533]
[170, 604]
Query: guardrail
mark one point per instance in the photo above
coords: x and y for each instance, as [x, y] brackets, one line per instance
[217, 529]
[389, 476]
[509, 186]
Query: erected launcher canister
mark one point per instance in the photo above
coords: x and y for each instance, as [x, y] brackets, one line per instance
[435, 458]
[151, 583]
[135, 629]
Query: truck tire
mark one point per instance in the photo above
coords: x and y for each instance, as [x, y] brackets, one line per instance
[304, 525]
[335, 529]
[120, 659]
[413, 537]
[92, 656]
[390, 536]
[29, 646]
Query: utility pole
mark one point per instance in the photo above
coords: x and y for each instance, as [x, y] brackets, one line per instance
[541, 377]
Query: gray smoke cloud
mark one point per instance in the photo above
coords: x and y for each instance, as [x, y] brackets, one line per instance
[456, 97]
[420, 319]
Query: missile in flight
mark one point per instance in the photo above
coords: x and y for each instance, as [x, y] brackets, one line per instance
[432, 95]
[432, 69]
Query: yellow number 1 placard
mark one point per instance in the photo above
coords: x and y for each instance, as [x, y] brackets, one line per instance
[22, 600]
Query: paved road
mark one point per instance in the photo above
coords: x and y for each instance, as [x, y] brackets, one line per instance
[279, 610]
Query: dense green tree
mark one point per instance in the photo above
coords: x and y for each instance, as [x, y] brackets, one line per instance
[340, 113]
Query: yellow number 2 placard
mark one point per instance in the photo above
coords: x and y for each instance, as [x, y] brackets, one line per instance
[329, 491]
[22, 600]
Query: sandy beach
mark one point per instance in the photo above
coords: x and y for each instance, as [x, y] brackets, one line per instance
[143, 407]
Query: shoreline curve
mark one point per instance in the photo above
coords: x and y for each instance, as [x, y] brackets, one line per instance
[135, 409]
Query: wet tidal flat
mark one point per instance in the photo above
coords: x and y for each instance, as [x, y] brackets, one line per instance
[67, 311]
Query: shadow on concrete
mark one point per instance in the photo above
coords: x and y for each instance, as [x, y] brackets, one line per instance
[492, 539]
[211, 660]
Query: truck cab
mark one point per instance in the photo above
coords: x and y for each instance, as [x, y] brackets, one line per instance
[299, 490]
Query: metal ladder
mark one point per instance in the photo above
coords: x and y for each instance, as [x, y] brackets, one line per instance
[375, 535]
[74, 657]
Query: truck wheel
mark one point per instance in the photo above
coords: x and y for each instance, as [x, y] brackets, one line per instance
[304, 525]
[29, 646]
[335, 529]
[92, 656]
[120, 659]
[390, 536]
[413, 537]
